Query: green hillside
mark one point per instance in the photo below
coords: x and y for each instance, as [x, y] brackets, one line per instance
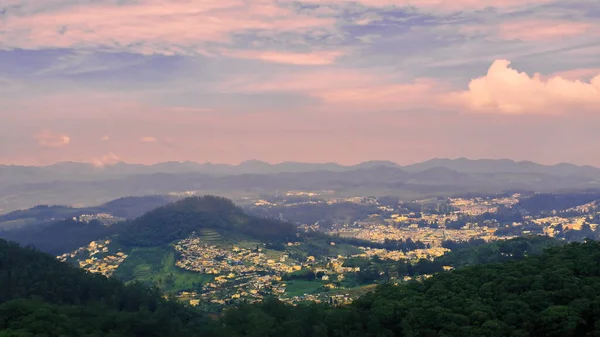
[156, 266]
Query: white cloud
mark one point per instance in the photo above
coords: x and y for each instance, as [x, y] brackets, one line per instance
[505, 90]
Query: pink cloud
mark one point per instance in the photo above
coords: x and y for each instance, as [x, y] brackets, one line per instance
[543, 30]
[307, 81]
[51, 139]
[507, 91]
[153, 26]
[312, 58]
[534, 30]
[348, 90]
[446, 5]
[421, 93]
[148, 139]
[184, 109]
[106, 160]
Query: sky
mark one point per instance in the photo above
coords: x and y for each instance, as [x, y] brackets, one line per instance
[223, 81]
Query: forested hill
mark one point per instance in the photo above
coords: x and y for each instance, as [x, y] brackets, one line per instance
[40, 296]
[178, 220]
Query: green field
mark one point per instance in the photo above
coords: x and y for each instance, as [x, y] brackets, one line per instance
[156, 265]
[301, 287]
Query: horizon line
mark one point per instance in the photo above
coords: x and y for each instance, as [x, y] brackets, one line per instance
[121, 162]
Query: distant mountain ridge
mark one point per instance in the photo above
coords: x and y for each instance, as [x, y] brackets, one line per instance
[17, 174]
[84, 171]
[83, 184]
[503, 166]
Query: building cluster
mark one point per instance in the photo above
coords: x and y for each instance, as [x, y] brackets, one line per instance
[250, 274]
[378, 232]
[478, 206]
[239, 273]
[96, 258]
[397, 255]
[104, 218]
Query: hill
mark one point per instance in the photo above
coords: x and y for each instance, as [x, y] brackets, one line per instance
[180, 219]
[58, 237]
[40, 296]
[123, 208]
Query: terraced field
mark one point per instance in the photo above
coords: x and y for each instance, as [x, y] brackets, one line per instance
[210, 236]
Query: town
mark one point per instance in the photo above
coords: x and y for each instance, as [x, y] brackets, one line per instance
[250, 271]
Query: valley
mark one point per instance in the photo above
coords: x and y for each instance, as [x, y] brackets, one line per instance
[208, 252]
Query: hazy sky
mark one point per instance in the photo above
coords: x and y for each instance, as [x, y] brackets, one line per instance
[333, 80]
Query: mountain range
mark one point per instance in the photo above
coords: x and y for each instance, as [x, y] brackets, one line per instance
[14, 174]
[81, 184]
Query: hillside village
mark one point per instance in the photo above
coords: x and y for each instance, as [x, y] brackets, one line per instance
[96, 258]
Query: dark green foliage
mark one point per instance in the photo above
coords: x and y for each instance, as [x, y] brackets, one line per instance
[178, 220]
[40, 296]
[553, 294]
[377, 271]
[498, 251]
[556, 293]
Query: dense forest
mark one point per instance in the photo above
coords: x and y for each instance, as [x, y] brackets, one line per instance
[556, 293]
